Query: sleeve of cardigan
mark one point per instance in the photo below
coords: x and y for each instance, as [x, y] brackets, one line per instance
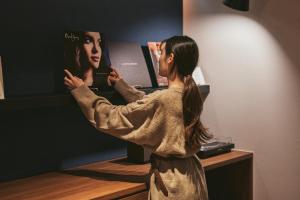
[124, 121]
[129, 93]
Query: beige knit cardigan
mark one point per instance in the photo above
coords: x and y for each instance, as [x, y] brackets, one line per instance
[154, 121]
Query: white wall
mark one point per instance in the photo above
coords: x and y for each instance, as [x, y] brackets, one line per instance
[252, 63]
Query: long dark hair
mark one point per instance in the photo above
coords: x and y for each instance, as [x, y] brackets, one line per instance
[186, 55]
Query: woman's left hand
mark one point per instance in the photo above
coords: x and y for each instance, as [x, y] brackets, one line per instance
[113, 77]
[72, 82]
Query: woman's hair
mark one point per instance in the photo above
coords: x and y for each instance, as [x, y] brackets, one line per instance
[186, 55]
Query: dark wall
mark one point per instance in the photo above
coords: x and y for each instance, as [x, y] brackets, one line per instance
[31, 44]
[31, 35]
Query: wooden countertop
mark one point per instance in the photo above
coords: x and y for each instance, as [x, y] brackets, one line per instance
[102, 180]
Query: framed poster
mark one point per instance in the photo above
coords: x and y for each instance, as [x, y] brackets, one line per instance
[86, 56]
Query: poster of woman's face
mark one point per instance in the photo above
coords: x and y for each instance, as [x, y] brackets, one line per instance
[1, 82]
[86, 56]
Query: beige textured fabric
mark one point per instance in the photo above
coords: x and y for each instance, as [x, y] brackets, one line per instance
[156, 122]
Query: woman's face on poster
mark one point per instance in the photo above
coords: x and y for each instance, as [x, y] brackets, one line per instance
[92, 48]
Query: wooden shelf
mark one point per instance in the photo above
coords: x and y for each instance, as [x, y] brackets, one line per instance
[114, 179]
[50, 101]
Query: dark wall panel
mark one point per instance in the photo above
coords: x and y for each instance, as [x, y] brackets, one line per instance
[31, 43]
[31, 36]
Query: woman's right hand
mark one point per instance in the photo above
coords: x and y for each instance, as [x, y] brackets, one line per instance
[113, 77]
[71, 81]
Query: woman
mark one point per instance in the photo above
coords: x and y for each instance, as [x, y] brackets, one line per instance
[85, 55]
[166, 121]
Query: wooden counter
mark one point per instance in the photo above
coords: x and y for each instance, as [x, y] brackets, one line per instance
[118, 179]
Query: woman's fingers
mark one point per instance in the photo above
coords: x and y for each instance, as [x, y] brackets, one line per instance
[78, 81]
[67, 84]
[69, 74]
[118, 75]
[115, 72]
[109, 82]
[67, 79]
[71, 81]
[111, 77]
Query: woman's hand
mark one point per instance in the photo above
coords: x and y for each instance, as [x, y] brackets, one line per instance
[72, 82]
[113, 77]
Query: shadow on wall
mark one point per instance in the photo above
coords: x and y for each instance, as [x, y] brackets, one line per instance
[254, 64]
[282, 20]
[279, 18]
